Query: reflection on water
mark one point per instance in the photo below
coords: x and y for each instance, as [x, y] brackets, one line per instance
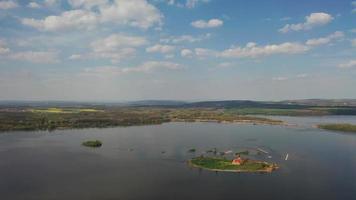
[148, 162]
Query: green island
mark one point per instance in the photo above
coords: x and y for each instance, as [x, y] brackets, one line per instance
[339, 127]
[226, 165]
[92, 143]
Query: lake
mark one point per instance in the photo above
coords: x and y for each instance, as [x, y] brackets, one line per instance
[149, 162]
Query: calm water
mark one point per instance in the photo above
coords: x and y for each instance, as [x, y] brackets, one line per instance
[131, 165]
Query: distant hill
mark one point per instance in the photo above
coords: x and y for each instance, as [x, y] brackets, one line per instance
[242, 104]
[156, 103]
[290, 104]
[323, 102]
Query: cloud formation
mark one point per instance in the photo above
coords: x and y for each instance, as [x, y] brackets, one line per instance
[193, 3]
[311, 21]
[146, 67]
[3, 48]
[42, 57]
[90, 13]
[33, 5]
[325, 40]
[212, 23]
[252, 50]
[160, 48]
[187, 4]
[73, 19]
[5, 5]
[349, 64]
[117, 46]
[353, 42]
[186, 53]
[185, 38]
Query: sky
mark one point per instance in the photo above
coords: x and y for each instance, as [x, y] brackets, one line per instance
[122, 50]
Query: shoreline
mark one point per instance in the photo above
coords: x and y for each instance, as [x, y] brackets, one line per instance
[242, 122]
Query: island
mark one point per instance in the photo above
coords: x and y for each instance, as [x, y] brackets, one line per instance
[92, 143]
[351, 128]
[236, 165]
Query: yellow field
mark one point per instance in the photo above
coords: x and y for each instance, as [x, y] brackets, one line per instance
[64, 110]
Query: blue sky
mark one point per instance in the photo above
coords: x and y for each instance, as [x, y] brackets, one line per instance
[118, 50]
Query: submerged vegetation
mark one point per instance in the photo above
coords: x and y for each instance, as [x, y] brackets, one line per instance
[339, 127]
[92, 143]
[223, 164]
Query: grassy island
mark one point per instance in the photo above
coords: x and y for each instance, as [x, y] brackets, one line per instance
[225, 165]
[92, 143]
[339, 127]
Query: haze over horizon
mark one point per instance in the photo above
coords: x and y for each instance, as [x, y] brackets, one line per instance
[120, 50]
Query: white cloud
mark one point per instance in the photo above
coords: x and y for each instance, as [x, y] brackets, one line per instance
[75, 57]
[224, 65]
[185, 38]
[33, 5]
[193, 3]
[29, 56]
[45, 57]
[325, 40]
[212, 23]
[79, 19]
[187, 4]
[5, 5]
[160, 48]
[88, 4]
[252, 50]
[285, 18]
[116, 41]
[186, 53]
[349, 64]
[117, 46]
[136, 13]
[3, 48]
[354, 6]
[51, 2]
[201, 53]
[353, 42]
[311, 21]
[280, 78]
[169, 56]
[302, 76]
[146, 67]
[353, 30]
